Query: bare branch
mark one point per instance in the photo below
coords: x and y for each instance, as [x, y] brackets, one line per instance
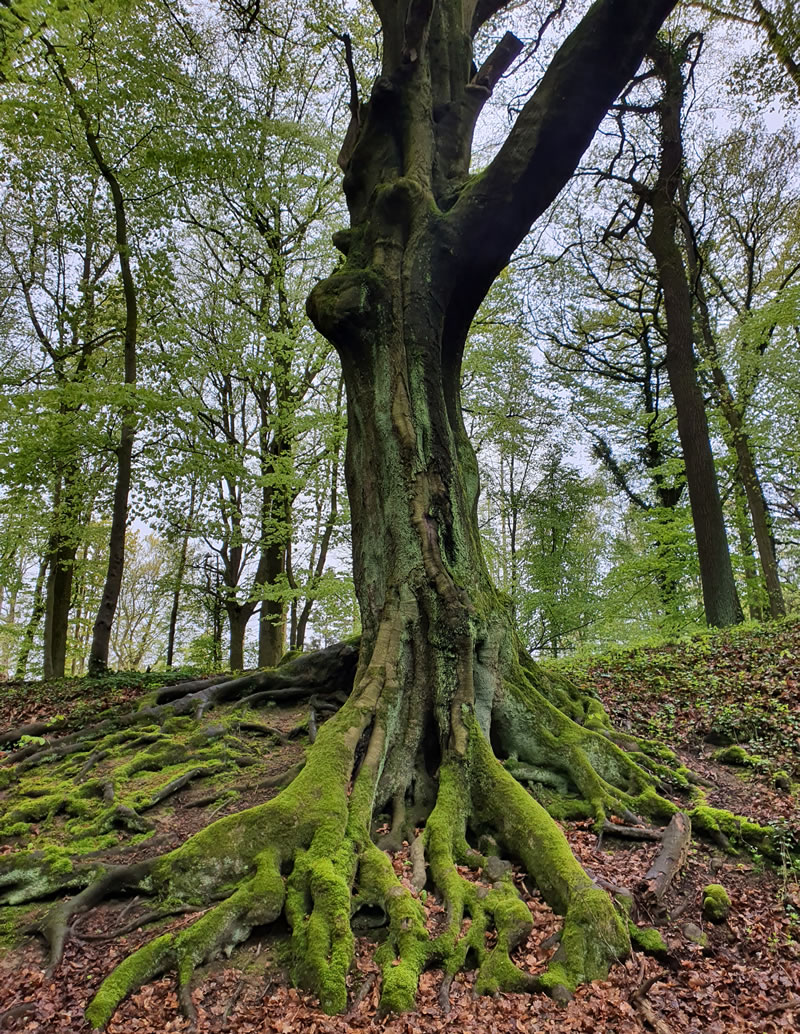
[354, 104]
[498, 62]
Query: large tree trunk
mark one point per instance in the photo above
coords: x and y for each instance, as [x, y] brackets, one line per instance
[442, 691]
[720, 598]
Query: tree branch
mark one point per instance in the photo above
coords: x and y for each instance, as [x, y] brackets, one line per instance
[484, 10]
[498, 62]
[553, 130]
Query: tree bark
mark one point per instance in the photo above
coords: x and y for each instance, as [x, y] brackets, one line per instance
[179, 575]
[58, 593]
[720, 598]
[276, 499]
[425, 242]
[101, 635]
[753, 583]
[238, 616]
[37, 611]
[317, 564]
[734, 417]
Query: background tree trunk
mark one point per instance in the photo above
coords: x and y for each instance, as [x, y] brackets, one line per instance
[37, 610]
[720, 598]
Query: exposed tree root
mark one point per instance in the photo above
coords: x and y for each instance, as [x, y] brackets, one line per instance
[309, 853]
[324, 673]
[670, 859]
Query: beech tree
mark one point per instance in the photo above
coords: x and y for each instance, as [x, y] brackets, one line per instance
[441, 692]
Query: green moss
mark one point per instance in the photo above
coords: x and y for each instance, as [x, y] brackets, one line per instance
[781, 780]
[512, 921]
[738, 830]
[716, 903]
[737, 755]
[177, 724]
[566, 809]
[289, 656]
[130, 974]
[654, 805]
[594, 936]
[647, 939]
[13, 920]
[15, 829]
[58, 861]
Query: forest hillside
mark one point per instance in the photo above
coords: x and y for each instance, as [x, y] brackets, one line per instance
[725, 702]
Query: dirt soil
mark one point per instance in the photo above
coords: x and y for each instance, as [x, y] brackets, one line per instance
[745, 976]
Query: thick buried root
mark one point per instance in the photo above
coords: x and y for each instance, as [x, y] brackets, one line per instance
[326, 674]
[320, 832]
[259, 900]
[301, 829]
[500, 909]
[308, 854]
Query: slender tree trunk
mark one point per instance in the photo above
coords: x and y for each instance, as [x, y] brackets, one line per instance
[238, 616]
[61, 563]
[61, 554]
[179, 576]
[10, 620]
[732, 413]
[37, 611]
[318, 568]
[272, 616]
[720, 599]
[101, 636]
[753, 584]
[275, 536]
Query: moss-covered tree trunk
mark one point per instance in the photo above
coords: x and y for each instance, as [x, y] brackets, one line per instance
[425, 242]
[442, 694]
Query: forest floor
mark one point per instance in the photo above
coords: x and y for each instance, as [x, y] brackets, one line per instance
[742, 975]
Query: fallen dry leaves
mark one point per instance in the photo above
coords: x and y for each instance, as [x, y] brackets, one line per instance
[747, 978]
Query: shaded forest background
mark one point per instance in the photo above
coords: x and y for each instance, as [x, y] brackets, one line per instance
[172, 428]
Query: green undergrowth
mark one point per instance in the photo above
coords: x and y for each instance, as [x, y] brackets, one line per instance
[727, 687]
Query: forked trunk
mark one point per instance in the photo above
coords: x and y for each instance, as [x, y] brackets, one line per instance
[426, 240]
[442, 690]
